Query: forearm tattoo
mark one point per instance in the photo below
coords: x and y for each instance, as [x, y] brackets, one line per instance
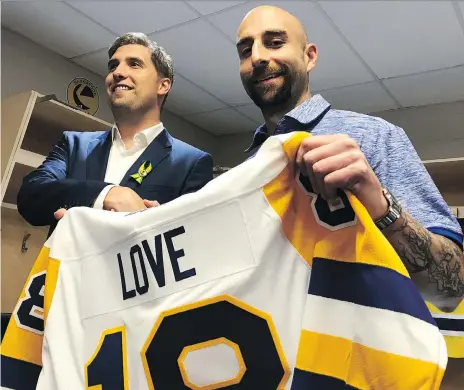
[422, 250]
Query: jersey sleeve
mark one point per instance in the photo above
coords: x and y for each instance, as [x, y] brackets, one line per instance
[21, 354]
[365, 324]
[399, 168]
[452, 327]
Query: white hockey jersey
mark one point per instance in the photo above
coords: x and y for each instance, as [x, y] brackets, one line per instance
[254, 282]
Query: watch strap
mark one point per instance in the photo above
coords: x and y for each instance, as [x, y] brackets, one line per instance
[393, 212]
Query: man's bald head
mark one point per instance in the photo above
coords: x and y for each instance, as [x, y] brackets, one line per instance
[274, 18]
[275, 58]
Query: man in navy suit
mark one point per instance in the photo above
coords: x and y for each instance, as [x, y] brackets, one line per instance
[136, 164]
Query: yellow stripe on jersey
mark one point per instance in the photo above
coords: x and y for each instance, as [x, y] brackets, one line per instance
[368, 368]
[452, 326]
[24, 334]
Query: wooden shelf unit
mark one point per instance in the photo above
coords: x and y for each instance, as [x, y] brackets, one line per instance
[31, 124]
[448, 175]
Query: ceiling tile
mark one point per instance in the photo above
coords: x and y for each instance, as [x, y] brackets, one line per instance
[144, 16]
[251, 111]
[337, 65]
[446, 85]
[208, 7]
[227, 121]
[97, 62]
[363, 98]
[400, 37]
[207, 58]
[55, 25]
[186, 98]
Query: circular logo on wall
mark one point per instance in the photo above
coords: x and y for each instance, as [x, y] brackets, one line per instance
[83, 94]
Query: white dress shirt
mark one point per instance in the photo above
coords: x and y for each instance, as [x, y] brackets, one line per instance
[121, 158]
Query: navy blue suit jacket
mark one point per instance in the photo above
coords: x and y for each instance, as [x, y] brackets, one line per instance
[73, 174]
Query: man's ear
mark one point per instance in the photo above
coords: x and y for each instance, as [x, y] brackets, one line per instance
[164, 86]
[310, 55]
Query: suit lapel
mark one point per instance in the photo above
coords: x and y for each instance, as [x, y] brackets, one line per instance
[97, 157]
[155, 152]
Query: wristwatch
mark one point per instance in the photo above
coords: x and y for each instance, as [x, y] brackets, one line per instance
[393, 212]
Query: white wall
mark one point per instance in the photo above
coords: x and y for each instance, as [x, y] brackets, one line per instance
[189, 133]
[230, 149]
[436, 131]
[27, 66]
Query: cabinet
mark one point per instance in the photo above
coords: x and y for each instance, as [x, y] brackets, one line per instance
[31, 125]
[448, 175]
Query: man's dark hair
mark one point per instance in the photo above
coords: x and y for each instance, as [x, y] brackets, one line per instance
[161, 60]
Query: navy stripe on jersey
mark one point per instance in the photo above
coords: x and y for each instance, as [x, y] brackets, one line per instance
[18, 374]
[450, 324]
[303, 380]
[367, 285]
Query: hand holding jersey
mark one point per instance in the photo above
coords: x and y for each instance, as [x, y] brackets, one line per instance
[122, 199]
[336, 161]
[150, 203]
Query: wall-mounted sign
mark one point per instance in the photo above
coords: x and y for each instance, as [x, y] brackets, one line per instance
[83, 94]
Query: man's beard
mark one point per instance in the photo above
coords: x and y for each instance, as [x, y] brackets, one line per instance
[121, 103]
[124, 106]
[272, 96]
[122, 109]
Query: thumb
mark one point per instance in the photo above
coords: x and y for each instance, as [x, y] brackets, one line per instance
[150, 203]
[59, 213]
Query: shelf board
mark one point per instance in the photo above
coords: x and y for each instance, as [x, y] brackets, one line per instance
[10, 206]
[443, 160]
[28, 158]
[460, 211]
[56, 112]
[448, 174]
[50, 119]
[16, 111]
[19, 171]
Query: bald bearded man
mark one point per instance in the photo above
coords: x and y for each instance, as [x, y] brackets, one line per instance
[365, 155]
